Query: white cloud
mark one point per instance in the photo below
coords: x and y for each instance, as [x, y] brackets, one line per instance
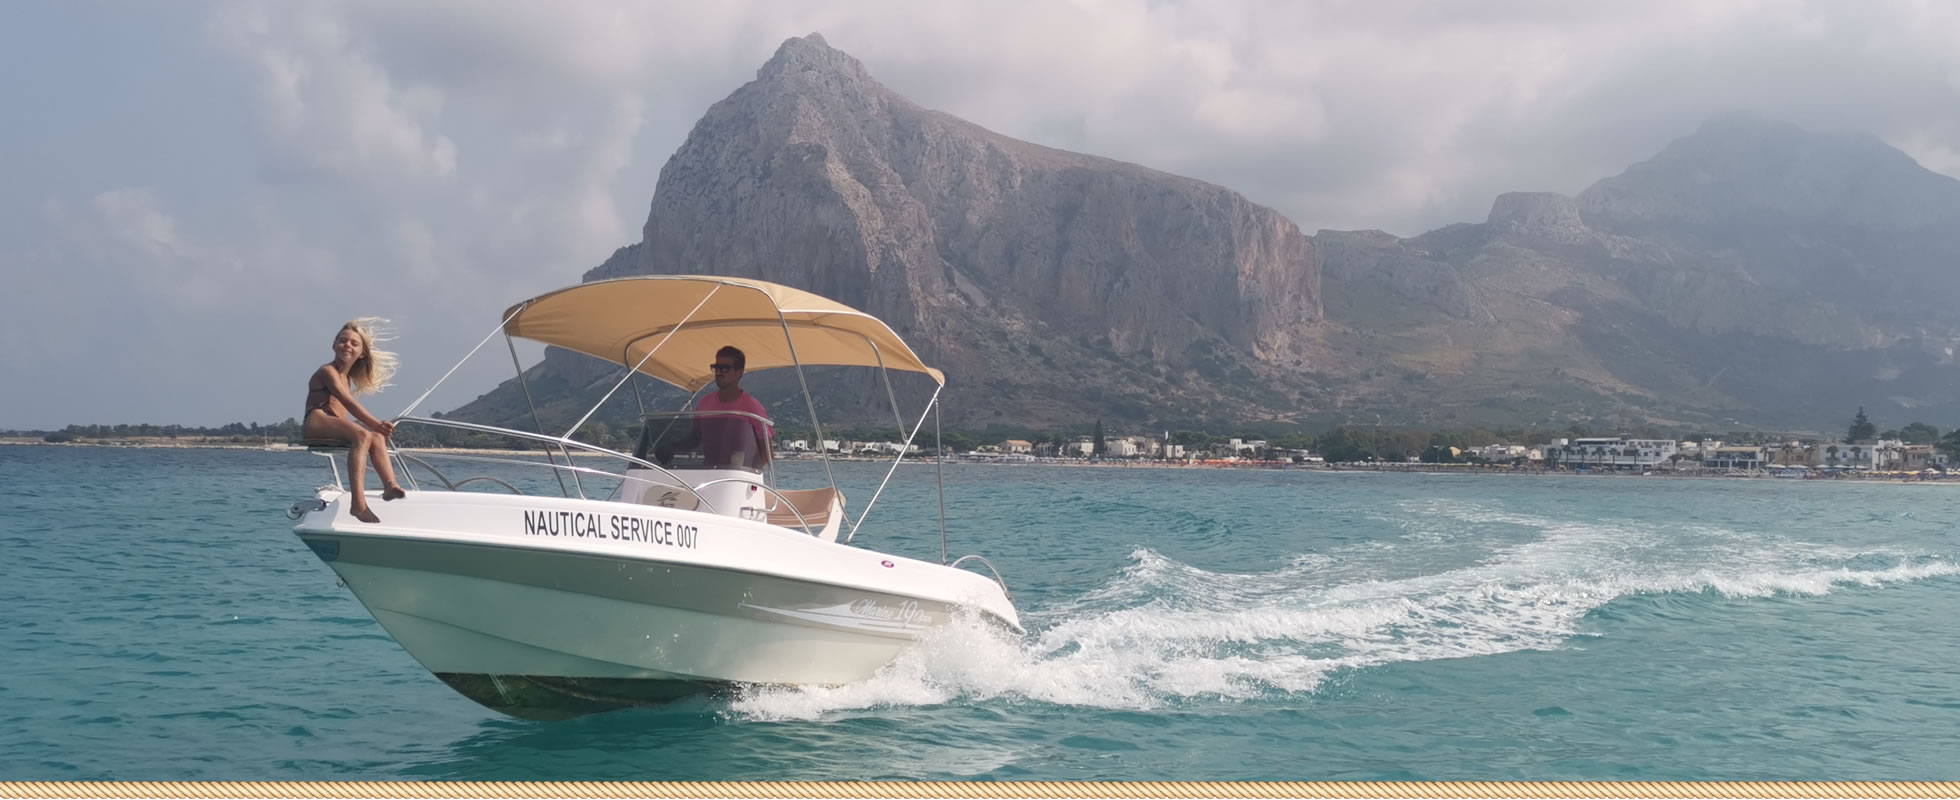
[1401, 116]
[1932, 152]
[328, 106]
[435, 161]
[596, 217]
[132, 217]
[123, 240]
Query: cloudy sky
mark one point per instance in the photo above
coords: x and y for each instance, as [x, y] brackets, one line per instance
[196, 195]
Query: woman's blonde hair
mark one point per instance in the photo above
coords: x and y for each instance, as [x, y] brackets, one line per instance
[372, 370]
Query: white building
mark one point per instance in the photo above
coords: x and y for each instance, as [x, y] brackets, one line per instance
[1858, 455]
[1884, 454]
[1734, 457]
[1501, 453]
[1248, 447]
[1617, 452]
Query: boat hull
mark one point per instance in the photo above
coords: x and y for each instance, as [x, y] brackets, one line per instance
[542, 697]
[545, 626]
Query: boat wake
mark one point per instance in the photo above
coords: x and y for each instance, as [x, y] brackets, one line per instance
[1164, 632]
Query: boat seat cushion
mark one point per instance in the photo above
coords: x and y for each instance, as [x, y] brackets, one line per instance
[816, 506]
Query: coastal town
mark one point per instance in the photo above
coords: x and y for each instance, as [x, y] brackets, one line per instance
[1793, 458]
[1916, 451]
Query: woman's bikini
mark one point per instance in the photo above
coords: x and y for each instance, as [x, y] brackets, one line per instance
[325, 403]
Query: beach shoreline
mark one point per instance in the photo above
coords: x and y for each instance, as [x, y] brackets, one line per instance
[1344, 468]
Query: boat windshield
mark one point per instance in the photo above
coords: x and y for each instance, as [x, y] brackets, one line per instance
[702, 440]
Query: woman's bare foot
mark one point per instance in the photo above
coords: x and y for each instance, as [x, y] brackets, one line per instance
[365, 514]
[393, 493]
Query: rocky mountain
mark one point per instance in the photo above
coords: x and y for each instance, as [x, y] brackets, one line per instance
[1751, 274]
[1043, 281]
[1840, 217]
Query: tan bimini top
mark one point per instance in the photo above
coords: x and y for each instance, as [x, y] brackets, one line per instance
[684, 319]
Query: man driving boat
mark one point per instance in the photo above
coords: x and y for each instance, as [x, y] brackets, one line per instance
[727, 439]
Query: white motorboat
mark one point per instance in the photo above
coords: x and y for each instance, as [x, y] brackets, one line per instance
[654, 580]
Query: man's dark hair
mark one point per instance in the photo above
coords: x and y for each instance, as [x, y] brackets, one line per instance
[734, 353]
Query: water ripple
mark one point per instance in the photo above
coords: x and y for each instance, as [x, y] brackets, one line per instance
[1184, 624]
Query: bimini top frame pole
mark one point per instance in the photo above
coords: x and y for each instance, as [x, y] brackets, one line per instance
[939, 472]
[809, 401]
[535, 419]
[902, 450]
[635, 368]
[459, 365]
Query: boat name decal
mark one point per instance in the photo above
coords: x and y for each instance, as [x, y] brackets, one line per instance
[862, 614]
[906, 613]
[618, 527]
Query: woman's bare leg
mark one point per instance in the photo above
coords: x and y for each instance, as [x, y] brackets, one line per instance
[321, 425]
[378, 451]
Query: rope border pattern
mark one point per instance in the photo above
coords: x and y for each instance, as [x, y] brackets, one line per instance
[1643, 790]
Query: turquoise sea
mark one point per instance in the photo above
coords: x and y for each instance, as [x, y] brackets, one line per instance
[161, 622]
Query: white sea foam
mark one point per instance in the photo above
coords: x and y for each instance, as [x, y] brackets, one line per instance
[1165, 632]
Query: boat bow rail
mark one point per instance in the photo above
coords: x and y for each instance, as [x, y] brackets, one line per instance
[990, 568]
[781, 509]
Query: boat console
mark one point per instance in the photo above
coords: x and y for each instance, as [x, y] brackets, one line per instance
[720, 471]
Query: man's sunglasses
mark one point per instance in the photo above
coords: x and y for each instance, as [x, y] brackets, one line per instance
[721, 368]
